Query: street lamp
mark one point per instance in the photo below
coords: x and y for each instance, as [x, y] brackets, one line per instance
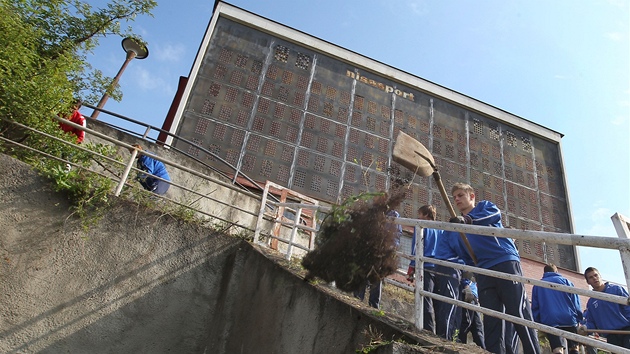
[133, 49]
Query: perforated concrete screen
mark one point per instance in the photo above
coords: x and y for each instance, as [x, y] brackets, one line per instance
[323, 126]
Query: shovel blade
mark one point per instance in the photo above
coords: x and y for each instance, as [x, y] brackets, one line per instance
[410, 153]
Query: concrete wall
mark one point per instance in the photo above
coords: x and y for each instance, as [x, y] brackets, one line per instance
[223, 198]
[141, 282]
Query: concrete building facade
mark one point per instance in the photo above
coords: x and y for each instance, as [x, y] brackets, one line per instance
[280, 105]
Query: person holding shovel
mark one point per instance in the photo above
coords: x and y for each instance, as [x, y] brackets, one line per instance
[497, 254]
[605, 315]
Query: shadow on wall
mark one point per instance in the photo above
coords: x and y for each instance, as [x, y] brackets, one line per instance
[140, 281]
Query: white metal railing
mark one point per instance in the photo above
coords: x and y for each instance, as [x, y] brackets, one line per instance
[622, 243]
[123, 179]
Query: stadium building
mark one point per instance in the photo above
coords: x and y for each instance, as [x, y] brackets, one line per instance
[283, 106]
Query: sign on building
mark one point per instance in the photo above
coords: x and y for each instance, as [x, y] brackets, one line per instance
[280, 105]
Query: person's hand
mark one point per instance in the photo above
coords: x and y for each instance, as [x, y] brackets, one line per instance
[581, 329]
[461, 219]
[411, 271]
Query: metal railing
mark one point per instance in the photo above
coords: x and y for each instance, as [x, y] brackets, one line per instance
[272, 211]
[622, 244]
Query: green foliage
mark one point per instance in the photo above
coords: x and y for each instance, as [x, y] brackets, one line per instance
[89, 192]
[43, 62]
[43, 67]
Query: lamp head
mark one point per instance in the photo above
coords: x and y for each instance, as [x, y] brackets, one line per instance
[132, 45]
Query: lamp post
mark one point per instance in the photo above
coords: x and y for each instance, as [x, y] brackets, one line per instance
[133, 50]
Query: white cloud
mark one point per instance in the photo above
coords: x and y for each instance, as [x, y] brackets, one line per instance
[618, 3]
[418, 7]
[601, 214]
[620, 120]
[147, 81]
[170, 52]
[614, 36]
[600, 223]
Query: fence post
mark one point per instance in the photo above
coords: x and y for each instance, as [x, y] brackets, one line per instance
[623, 231]
[263, 203]
[419, 299]
[296, 222]
[125, 174]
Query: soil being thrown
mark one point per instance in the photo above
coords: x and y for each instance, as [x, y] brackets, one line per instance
[356, 242]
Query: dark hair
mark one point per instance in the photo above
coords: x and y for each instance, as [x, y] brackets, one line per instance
[428, 210]
[590, 269]
[550, 268]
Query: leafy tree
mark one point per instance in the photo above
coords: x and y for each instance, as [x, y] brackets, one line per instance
[43, 50]
[43, 69]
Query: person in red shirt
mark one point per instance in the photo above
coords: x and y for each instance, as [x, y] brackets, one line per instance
[77, 118]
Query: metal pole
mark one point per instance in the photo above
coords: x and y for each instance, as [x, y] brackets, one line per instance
[130, 55]
[125, 174]
[623, 231]
[294, 231]
[419, 298]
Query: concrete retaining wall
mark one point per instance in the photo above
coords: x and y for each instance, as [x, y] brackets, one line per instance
[142, 282]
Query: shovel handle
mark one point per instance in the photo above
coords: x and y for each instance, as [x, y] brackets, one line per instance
[608, 331]
[438, 180]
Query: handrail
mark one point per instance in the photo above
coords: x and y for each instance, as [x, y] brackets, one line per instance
[622, 244]
[177, 138]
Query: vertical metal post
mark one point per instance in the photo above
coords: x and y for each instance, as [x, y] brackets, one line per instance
[263, 202]
[125, 174]
[419, 298]
[622, 226]
[294, 231]
[146, 132]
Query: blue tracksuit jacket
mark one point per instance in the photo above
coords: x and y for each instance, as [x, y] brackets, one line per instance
[489, 250]
[431, 237]
[450, 247]
[553, 307]
[607, 315]
[153, 167]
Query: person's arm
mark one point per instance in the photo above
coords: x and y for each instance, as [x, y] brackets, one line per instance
[624, 309]
[535, 305]
[458, 246]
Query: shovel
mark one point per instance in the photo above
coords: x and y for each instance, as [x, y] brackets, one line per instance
[410, 153]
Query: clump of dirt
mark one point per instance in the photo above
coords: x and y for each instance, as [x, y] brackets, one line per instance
[356, 243]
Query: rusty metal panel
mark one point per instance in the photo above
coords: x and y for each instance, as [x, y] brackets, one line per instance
[279, 111]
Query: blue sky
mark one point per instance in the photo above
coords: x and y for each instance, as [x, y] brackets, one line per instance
[563, 64]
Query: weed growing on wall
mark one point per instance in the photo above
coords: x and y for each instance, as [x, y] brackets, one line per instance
[88, 192]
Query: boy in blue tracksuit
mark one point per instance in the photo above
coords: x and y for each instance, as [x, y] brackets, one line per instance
[555, 308]
[497, 254]
[152, 167]
[606, 315]
[450, 248]
[430, 237]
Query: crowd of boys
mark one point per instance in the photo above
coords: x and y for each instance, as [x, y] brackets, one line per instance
[551, 307]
